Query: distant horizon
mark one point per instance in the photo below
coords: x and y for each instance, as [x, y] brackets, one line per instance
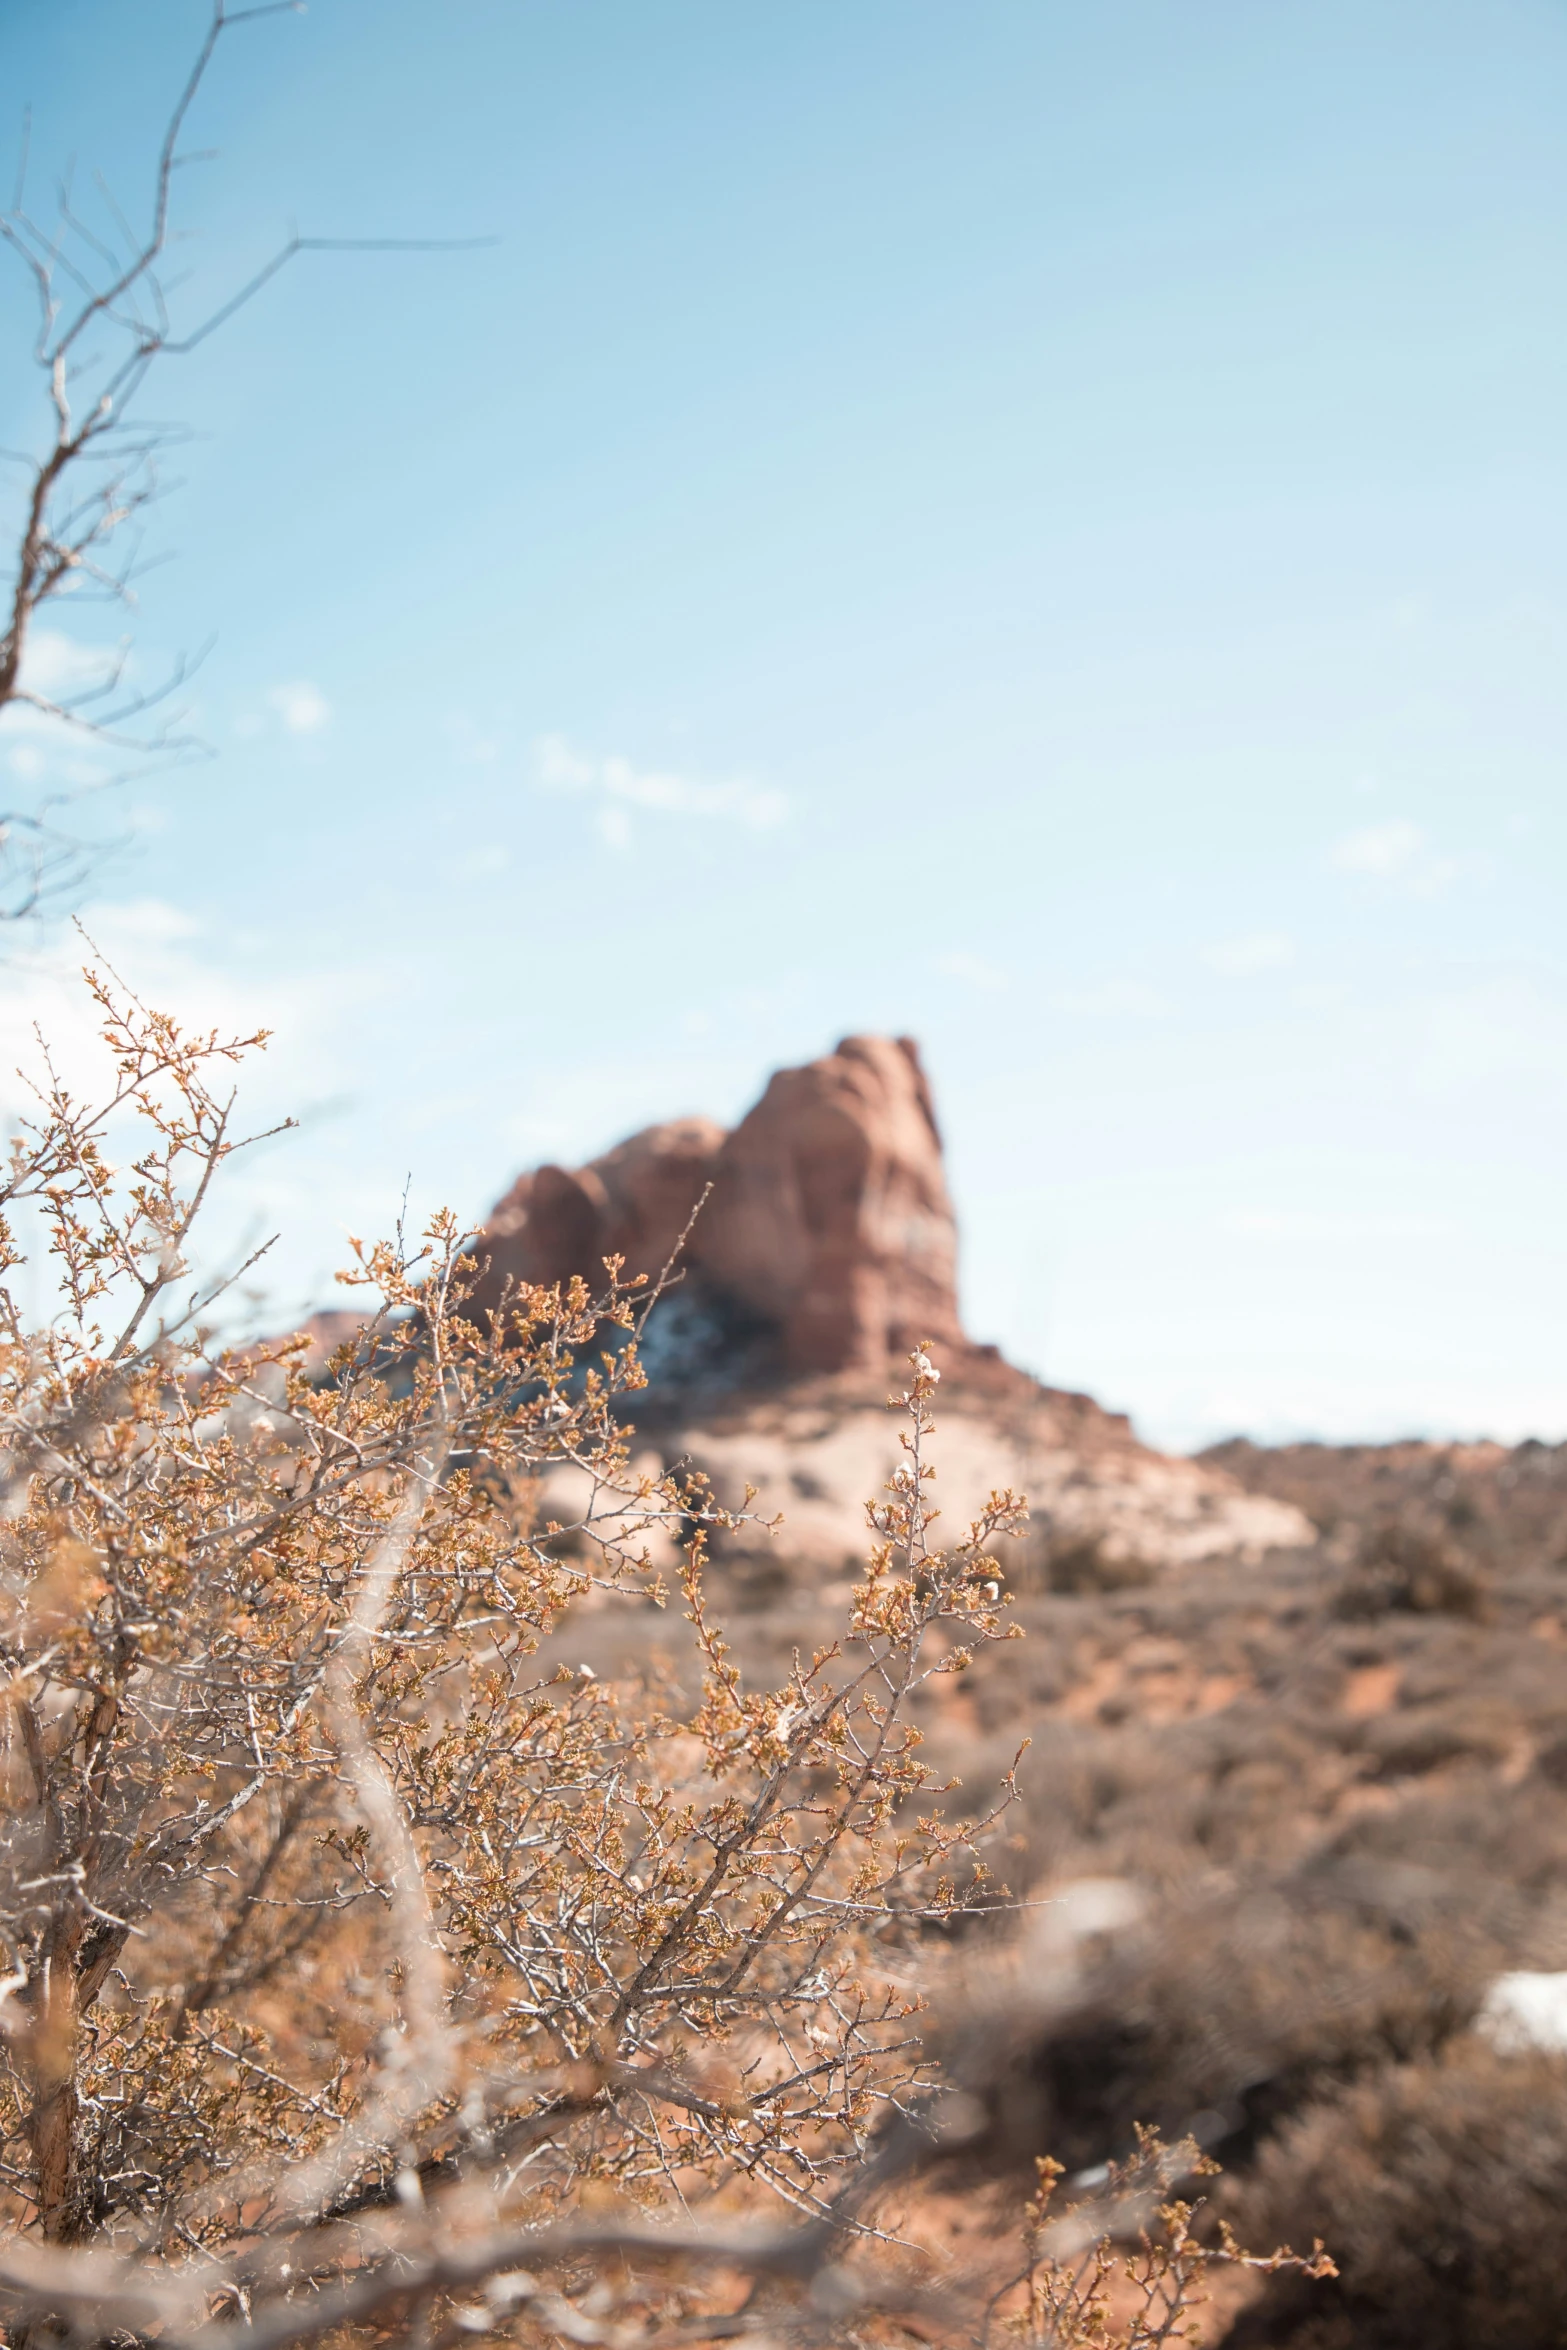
[1043, 530]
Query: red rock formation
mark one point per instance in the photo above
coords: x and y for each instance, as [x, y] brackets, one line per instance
[830, 1214]
[829, 1225]
[634, 1203]
[826, 1251]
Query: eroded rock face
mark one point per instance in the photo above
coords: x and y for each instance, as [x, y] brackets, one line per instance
[830, 1215]
[634, 1203]
[828, 1243]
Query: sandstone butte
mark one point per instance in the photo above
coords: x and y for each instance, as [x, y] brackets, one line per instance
[826, 1243]
[824, 1250]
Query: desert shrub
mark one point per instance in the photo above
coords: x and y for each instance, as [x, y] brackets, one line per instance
[1405, 1567]
[1248, 1770]
[1133, 2268]
[1417, 1739]
[1504, 1514]
[1215, 2017]
[1049, 1559]
[1438, 2189]
[321, 1905]
[1473, 1849]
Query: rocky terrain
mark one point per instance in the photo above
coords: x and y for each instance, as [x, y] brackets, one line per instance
[1291, 1849]
[824, 1248]
[1293, 1832]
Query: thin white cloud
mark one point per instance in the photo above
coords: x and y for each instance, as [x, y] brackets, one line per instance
[148, 922]
[1385, 850]
[159, 950]
[60, 670]
[1116, 999]
[1398, 855]
[303, 708]
[973, 971]
[57, 667]
[175, 962]
[1244, 957]
[621, 786]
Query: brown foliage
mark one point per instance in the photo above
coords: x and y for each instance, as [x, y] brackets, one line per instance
[1406, 1566]
[321, 1908]
[1439, 2187]
[1215, 2017]
[1144, 2279]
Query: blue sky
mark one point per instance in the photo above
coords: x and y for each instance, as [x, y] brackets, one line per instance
[1041, 527]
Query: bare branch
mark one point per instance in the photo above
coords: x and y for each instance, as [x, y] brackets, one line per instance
[104, 326]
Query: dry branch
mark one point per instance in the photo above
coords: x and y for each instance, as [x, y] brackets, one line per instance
[105, 326]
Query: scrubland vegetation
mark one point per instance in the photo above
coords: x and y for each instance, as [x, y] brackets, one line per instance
[1331, 1789]
[364, 1969]
[375, 1964]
